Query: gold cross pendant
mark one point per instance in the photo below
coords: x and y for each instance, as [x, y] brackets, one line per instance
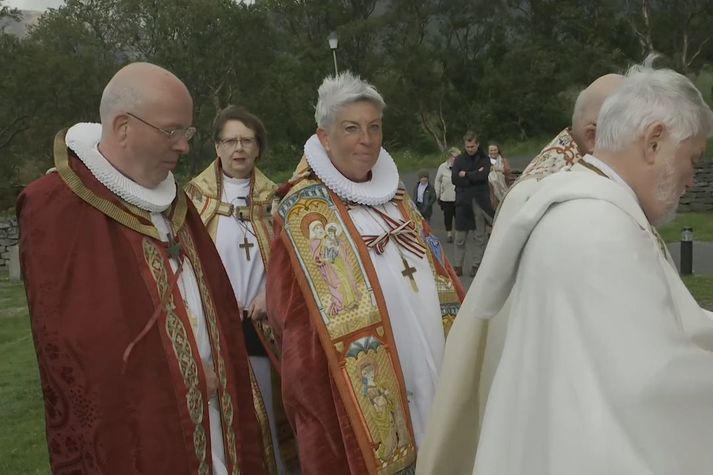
[408, 272]
[246, 245]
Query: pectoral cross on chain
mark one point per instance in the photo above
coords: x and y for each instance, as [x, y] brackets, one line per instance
[408, 272]
[175, 250]
[246, 245]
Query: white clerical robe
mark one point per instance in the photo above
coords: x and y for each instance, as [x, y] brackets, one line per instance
[188, 286]
[607, 364]
[415, 316]
[247, 276]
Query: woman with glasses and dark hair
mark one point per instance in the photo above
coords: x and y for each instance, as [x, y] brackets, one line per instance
[233, 198]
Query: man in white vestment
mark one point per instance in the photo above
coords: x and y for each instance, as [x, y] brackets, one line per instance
[566, 149]
[607, 366]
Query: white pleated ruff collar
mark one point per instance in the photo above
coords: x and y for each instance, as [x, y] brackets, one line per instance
[379, 190]
[83, 140]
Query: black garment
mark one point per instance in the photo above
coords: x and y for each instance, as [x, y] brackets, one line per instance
[429, 197]
[253, 344]
[473, 186]
[449, 211]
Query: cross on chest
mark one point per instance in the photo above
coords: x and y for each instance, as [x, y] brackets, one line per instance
[246, 245]
[408, 272]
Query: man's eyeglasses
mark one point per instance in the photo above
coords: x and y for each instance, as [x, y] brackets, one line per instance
[174, 134]
[232, 144]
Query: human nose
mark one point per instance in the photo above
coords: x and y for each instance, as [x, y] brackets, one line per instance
[182, 146]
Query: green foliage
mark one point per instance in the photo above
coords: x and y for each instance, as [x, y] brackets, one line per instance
[702, 224]
[509, 70]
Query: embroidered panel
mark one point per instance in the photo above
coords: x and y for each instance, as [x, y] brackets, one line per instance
[347, 304]
[211, 318]
[377, 394]
[329, 259]
[187, 364]
[261, 413]
[561, 152]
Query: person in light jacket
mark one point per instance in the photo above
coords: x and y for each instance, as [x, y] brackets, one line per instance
[446, 191]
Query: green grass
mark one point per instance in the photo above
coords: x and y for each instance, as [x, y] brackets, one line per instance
[22, 438]
[407, 160]
[701, 286]
[702, 224]
[525, 148]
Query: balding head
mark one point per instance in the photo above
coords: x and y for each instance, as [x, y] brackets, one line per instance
[136, 87]
[140, 104]
[586, 110]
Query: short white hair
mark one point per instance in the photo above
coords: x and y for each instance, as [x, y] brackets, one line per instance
[648, 96]
[119, 96]
[341, 90]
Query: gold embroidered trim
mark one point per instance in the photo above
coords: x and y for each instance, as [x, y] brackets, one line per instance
[261, 413]
[225, 400]
[181, 346]
[72, 180]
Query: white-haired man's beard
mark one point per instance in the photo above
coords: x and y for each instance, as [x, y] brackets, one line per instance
[668, 193]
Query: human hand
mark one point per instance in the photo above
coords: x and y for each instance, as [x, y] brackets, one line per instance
[461, 173]
[258, 308]
[211, 380]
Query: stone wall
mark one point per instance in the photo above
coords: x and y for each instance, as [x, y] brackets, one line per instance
[700, 198]
[8, 238]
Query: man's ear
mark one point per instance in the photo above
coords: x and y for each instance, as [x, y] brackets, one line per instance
[653, 135]
[119, 126]
[590, 137]
[323, 137]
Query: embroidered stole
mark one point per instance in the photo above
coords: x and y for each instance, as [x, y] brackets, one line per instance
[348, 310]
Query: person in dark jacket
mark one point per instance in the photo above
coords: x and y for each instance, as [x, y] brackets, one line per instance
[424, 195]
[473, 207]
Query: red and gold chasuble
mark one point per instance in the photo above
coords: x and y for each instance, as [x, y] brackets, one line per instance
[124, 386]
[365, 387]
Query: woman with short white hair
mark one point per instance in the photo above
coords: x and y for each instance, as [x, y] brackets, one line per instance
[393, 317]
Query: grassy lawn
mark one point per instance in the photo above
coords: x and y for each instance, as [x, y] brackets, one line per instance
[702, 224]
[701, 286]
[22, 438]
